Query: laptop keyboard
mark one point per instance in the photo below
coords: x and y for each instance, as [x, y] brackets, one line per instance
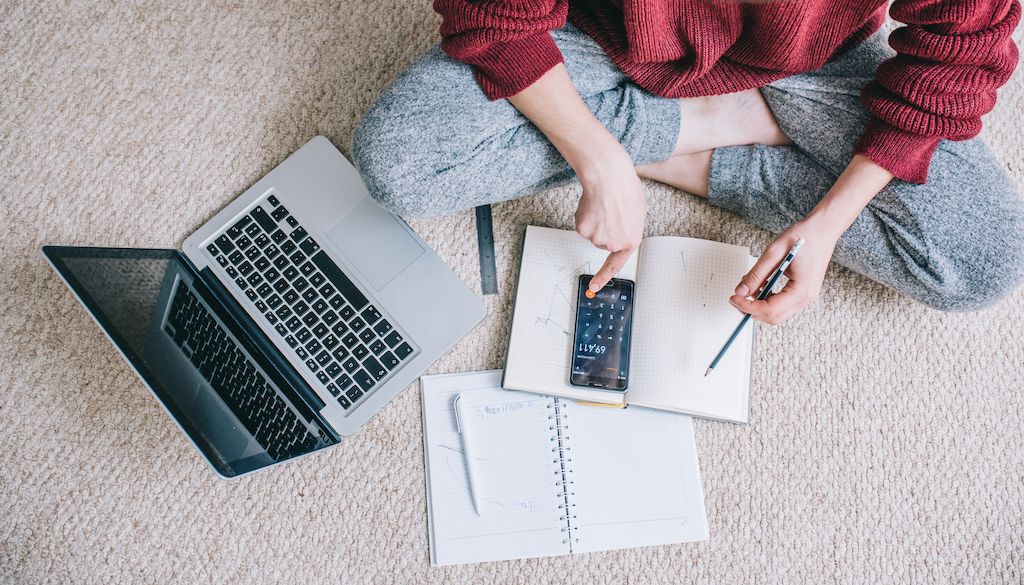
[230, 373]
[314, 307]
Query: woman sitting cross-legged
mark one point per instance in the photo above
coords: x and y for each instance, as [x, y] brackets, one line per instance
[796, 114]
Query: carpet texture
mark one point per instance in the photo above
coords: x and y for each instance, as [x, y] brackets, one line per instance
[886, 443]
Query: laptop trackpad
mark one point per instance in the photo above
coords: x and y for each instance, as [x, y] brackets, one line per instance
[375, 242]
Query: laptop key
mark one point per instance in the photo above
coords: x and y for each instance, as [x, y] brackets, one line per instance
[330, 341]
[389, 360]
[263, 219]
[300, 284]
[236, 257]
[279, 213]
[245, 268]
[264, 290]
[225, 244]
[357, 324]
[333, 369]
[272, 274]
[360, 351]
[301, 351]
[288, 246]
[370, 314]
[252, 253]
[347, 312]
[303, 335]
[363, 379]
[322, 376]
[377, 347]
[262, 307]
[319, 306]
[329, 317]
[293, 324]
[262, 240]
[367, 335]
[341, 353]
[338, 278]
[323, 358]
[290, 296]
[292, 221]
[273, 200]
[337, 301]
[232, 272]
[393, 339]
[309, 295]
[344, 401]
[298, 234]
[241, 283]
[283, 312]
[382, 328]
[373, 366]
[350, 365]
[280, 262]
[350, 339]
[314, 346]
[280, 328]
[316, 279]
[320, 330]
[309, 246]
[212, 249]
[297, 257]
[252, 230]
[310, 318]
[251, 294]
[354, 393]
[312, 365]
[308, 268]
[255, 278]
[243, 242]
[291, 341]
[300, 308]
[278, 236]
[403, 351]
[290, 273]
[222, 260]
[333, 389]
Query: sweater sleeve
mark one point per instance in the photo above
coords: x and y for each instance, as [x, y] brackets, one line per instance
[950, 59]
[507, 42]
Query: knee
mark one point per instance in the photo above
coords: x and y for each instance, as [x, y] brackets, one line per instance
[984, 266]
[381, 156]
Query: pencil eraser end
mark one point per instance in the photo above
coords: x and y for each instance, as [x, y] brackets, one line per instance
[590, 294]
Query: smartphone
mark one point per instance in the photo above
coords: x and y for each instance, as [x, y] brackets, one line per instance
[604, 322]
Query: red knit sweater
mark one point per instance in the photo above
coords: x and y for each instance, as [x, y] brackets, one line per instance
[951, 56]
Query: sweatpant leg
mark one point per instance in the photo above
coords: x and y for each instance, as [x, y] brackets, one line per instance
[954, 243]
[433, 143]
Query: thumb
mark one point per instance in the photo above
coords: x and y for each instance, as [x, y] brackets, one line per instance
[611, 267]
[760, 271]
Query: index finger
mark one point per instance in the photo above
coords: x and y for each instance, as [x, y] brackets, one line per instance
[774, 309]
[612, 265]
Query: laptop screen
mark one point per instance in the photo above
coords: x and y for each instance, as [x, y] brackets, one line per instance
[153, 309]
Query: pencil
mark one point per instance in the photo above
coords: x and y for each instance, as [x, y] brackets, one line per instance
[767, 290]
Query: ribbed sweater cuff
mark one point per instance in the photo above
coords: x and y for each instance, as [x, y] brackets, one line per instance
[509, 67]
[904, 154]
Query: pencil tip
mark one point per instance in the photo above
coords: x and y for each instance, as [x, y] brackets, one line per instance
[706, 372]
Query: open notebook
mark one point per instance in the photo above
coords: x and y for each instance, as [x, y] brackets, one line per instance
[555, 477]
[681, 318]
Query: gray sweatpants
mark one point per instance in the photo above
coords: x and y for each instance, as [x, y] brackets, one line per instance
[434, 144]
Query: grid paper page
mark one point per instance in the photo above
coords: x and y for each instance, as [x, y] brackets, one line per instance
[636, 478]
[540, 345]
[683, 317]
[520, 518]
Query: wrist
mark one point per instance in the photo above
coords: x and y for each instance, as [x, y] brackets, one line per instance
[599, 160]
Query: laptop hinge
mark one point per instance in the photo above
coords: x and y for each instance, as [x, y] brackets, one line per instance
[262, 349]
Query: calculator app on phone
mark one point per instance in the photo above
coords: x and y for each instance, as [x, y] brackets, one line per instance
[604, 320]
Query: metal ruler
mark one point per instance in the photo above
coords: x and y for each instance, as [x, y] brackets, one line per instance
[485, 241]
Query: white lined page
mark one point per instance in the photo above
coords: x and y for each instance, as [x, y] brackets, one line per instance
[540, 345]
[636, 478]
[520, 518]
[682, 318]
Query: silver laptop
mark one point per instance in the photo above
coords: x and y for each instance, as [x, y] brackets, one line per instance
[286, 321]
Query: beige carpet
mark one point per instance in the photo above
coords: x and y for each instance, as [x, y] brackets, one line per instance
[886, 442]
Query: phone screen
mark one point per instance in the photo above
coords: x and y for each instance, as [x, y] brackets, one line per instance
[600, 356]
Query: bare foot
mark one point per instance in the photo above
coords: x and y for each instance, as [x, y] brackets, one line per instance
[727, 120]
[686, 172]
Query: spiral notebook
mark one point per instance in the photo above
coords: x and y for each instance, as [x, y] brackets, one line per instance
[681, 318]
[555, 477]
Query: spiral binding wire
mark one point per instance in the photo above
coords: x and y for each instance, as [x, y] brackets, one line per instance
[564, 471]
